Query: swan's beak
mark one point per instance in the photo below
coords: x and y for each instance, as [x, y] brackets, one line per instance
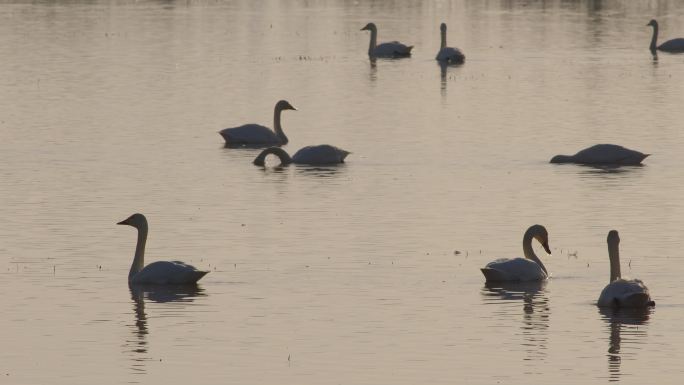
[546, 248]
[122, 222]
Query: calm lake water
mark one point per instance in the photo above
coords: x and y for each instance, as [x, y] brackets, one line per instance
[366, 273]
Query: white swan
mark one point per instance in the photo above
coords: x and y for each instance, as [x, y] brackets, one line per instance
[256, 134]
[321, 154]
[529, 268]
[158, 273]
[603, 154]
[622, 292]
[448, 55]
[673, 46]
[392, 49]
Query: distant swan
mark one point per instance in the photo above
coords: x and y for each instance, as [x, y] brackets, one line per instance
[608, 154]
[529, 268]
[256, 134]
[448, 55]
[622, 292]
[321, 154]
[392, 49]
[158, 273]
[673, 46]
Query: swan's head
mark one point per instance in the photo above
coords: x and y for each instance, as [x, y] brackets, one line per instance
[369, 27]
[136, 220]
[613, 237]
[442, 27]
[284, 105]
[652, 23]
[539, 233]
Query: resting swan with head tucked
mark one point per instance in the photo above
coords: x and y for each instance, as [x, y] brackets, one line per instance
[157, 273]
[607, 154]
[622, 292]
[448, 55]
[256, 134]
[672, 46]
[529, 268]
[312, 155]
[392, 49]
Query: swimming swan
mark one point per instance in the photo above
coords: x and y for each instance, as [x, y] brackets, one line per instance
[446, 54]
[603, 154]
[321, 154]
[529, 268]
[392, 49]
[256, 134]
[674, 45]
[622, 292]
[158, 273]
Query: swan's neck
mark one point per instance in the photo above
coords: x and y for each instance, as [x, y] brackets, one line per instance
[529, 252]
[443, 40]
[284, 157]
[276, 126]
[139, 259]
[373, 41]
[614, 255]
[654, 38]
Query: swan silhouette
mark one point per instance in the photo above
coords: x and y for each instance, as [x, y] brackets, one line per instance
[448, 55]
[392, 49]
[256, 134]
[529, 268]
[672, 46]
[622, 293]
[313, 155]
[161, 272]
[608, 154]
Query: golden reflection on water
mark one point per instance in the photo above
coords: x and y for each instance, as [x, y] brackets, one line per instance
[633, 323]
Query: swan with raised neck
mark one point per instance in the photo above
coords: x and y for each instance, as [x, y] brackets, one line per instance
[392, 49]
[529, 268]
[161, 272]
[622, 292]
[672, 46]
[448, 55]
[256, 134]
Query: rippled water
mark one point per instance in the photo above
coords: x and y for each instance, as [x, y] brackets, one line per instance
[365, 273]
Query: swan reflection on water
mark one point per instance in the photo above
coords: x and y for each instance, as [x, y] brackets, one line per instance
[158, 294]
[626, 327]
[535, 311]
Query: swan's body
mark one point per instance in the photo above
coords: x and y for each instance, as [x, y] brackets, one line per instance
[603, 154]
[321, 154]
[631, 293]
[448, 55]
[392, 49]
[672, 46]
[158, 273]
[529, 268]
[256, 134]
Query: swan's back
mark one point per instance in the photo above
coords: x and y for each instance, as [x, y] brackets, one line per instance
[168, 273]
[250, 134]
[625, 293]
[674, 45]
[320, 154]
[450, 55]
[392, 49]
[516, 269]
[609, 153]
[603, 154]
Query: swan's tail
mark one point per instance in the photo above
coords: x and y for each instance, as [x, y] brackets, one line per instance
[197, 275]
[635, 300]
[493, 275]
